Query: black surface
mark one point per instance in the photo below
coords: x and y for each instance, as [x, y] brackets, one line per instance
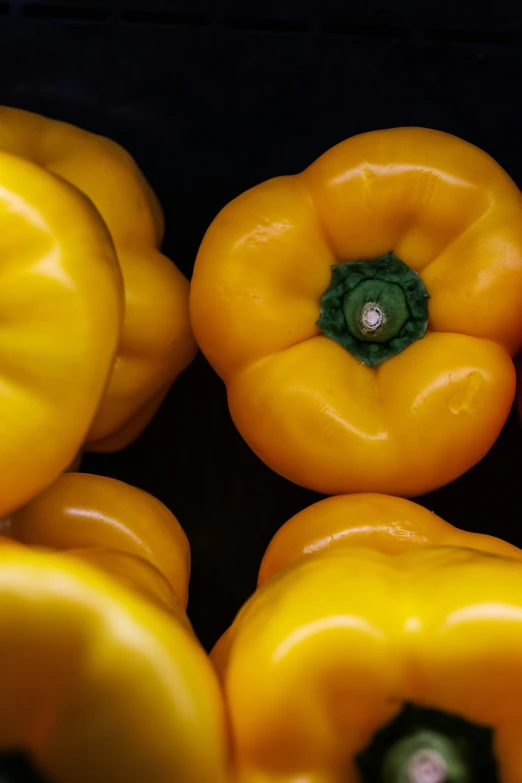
[18, 768]
[213, 97]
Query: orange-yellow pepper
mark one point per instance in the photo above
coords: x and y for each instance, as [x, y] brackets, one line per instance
[389, 524]
[363, 313]
[102, 677]
[61, 305]
[156, 342]
[382, 646]
[96, 516]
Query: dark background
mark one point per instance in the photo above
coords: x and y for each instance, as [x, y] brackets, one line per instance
[214, 97]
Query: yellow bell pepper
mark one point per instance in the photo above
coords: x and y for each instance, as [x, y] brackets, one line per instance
[105, 517]
[363, 313]
[156, 342]
[57, 339]
[99, 680]
[389, 524]
[387, 649]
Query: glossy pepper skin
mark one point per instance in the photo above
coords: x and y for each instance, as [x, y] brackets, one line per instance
[367, 603]
[57, 340]
[102, 677]
[156, 342]
[388, 524]
[102, 518]
[306, 405]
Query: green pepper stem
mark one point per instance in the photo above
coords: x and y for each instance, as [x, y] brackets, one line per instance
[425, 757]
[426, 745]
[374, 309]
[373, 318]
[426, 766]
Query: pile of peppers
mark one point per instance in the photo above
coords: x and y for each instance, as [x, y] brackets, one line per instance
[365, 315]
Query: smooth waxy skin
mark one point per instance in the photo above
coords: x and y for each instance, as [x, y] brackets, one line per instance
[388, 524]
[326, 652]
[305, 405]
[99, 684]
[102, 621]
[156, 342]
[82, 511]
[363, 601]
[57, 340]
